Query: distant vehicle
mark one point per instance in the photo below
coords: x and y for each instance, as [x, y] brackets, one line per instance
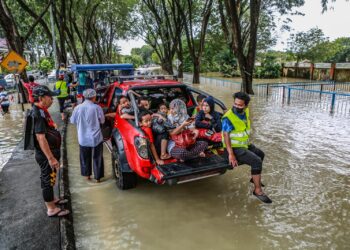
[52, 75]
[10, 80]
[36, 73]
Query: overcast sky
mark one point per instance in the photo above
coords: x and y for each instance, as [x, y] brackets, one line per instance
[334, 23]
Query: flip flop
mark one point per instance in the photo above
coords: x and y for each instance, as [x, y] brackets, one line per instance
[263, 197]
[60, 213]
[251, 181]
[61, 202]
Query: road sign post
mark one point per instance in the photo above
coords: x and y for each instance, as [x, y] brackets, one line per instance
[14, 63]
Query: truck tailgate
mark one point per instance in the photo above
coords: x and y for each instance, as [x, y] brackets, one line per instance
[198, 168]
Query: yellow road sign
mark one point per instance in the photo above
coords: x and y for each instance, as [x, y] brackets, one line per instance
[14, 62]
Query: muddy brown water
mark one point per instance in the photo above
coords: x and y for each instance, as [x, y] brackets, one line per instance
[306, 173]
[11, 129]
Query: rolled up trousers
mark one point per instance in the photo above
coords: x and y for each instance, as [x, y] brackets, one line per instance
[47, 174]
[251, 156]
[92, 156]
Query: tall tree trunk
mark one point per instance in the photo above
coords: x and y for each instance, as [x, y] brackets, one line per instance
[59, 17]
[167, 66]
[180, 57]
[196, 70]
[10, 29]
[44, 25]
[14, 40]
[247, 78]
[245, 60]
[195, 49]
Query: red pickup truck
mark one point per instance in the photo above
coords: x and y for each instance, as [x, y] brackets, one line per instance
[131, 156]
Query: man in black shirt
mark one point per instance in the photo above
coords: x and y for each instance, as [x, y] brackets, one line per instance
[47, 142]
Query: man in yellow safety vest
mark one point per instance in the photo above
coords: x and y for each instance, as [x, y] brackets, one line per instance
[236, 133]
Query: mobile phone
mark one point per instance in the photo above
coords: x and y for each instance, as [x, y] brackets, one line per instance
[191, 119]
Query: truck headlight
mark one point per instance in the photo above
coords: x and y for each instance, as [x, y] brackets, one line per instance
[141, 147]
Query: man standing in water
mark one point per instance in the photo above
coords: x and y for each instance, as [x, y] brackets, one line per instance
[88, 118]
[47, 143]
[4, 100]
[236, 131]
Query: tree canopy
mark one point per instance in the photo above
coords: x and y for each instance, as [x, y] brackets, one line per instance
[212, 35]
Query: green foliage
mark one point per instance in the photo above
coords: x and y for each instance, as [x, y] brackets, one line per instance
[335, 51]
[136, 60]
[29, 68]
[145, 52]
[339, 50]
[303, 44]
[269, 68]
[45, 65]
[155, 59]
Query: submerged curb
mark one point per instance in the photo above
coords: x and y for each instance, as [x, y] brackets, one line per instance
[66, 224]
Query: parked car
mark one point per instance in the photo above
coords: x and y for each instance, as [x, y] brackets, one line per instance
[52, 76]
[10, 80]
[131, 157]
[36, 73]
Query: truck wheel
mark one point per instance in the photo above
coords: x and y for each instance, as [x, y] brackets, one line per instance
[124, 180]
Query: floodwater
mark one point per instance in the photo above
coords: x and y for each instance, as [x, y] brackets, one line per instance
[306, 173]
[11, 129]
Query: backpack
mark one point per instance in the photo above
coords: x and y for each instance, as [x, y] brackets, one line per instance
[28, 130]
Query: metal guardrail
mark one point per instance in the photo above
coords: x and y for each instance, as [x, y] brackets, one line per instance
[212, 81]
[332, 96]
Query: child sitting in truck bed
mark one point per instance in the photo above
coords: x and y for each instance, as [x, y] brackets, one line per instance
[200, 99]
[208, 121]
[126, 111]
[145, 120]
[160, 126]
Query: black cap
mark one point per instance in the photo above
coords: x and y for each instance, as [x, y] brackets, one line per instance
[42, 90]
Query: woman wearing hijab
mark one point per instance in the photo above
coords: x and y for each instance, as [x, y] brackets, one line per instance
[179, 118]
[208, 121]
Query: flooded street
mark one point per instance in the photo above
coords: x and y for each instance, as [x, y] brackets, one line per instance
[11, 129]
[306, 172]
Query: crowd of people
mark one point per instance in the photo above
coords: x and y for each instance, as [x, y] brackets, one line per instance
[171, 132]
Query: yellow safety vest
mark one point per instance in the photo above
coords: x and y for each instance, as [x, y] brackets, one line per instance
[62, 85]
[240, 135]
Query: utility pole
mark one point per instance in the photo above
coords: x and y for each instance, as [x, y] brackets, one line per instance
[53, 35]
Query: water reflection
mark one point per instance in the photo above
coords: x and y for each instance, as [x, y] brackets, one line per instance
[11, 125]
[306, 173]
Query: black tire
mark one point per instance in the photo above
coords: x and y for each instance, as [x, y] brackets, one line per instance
[124, 180]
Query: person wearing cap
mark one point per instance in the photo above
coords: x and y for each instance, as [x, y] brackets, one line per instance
[4, 100]
[236, 138]
[47, 143]
[88, 118]
[62, 86]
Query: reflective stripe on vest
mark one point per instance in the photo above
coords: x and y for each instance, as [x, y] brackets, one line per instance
[62, 85]
[239, 137]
